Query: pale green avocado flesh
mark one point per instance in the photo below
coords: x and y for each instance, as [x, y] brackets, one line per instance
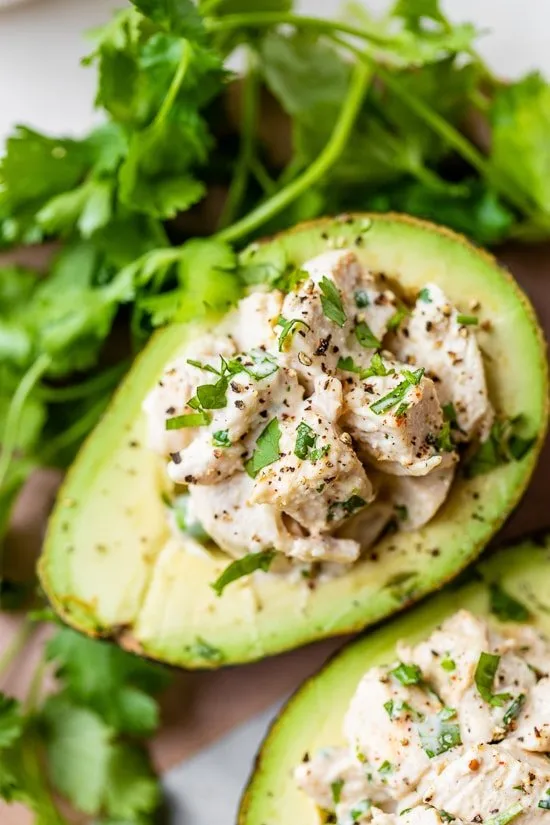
[313, 717]
[112, 566]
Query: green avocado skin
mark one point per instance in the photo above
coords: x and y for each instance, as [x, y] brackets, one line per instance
[313, 717]
[112, 567]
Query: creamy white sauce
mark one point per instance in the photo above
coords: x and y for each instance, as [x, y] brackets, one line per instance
[428, 740]
[360, 436]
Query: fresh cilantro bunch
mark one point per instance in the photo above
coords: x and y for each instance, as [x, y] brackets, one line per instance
[84, 743]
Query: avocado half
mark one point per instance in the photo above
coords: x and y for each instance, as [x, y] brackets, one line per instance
[313, 717]
[112, 567]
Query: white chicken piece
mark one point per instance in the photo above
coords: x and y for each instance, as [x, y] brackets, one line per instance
[449, 657]
[334, 779]
[252, 324]
[396, 419]
[341, 309]
[485, 780]
[233, 522]
[416, 500]
[417, 815]
[318, 480]
[176, 386]
[437, 337]
[247, 403]
[529, 643]
[382, 725]
[533, 726]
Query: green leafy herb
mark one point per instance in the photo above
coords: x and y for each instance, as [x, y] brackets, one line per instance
[336, 790]
[545, 802]
[397, 318]
[424, 295]
[243, 567]
[407, 674]
[397, 395]
[201, 366]
[360, 809]
[221, 438]
[504, 817]
[449, 413]
[263, 364]
[306, 440]
[506, 607]
[514, 710]
[366, 337]
[385, 768]
[340, 509]
[361, 297]
[288, 329]
[444, 442]
[331, 301]
[503, 445]
[267, 449]
[448, 664]
[467, 320]
[484, 677]
[437, 735]
[178, 422]
[396, 710]
[445, 816]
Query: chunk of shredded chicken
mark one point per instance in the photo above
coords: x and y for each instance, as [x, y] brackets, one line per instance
[306, 422]
[433, 738]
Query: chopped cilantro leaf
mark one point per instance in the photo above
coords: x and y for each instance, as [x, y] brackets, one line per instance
[449, 413]
[306, 440]
[424, 295]
[361, 297]
[437, 735]
[288, 329]
[407, 674]
[415, 377]
[385, 768]
[179, 422]
[397, 318]
[267, 449]
[243, 567]
[360, 809]
[366, 337]
[467, 320]
[341, 509]
[506, 607]
[444, 442]
[398, 393]
[336, 790]
[201, 366]
[504, 817]
[503, 445]
[514, 710]
[448, 664]
[263, 364]
[221, 438]
[331, 301]
[484, 677]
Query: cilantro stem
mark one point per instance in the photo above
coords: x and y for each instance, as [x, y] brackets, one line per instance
[448, 133]
[250, 103]
[17, 644]
[265, 19]
[175, 85]
[330, 154]
[13, 417]
[35, 687]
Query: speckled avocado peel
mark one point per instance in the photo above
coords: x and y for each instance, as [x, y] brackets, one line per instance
[271, 797]
[111, 567]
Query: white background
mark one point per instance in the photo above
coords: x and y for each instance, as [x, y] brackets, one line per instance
[41, 42]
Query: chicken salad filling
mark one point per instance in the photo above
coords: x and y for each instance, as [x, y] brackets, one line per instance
[456, 730]
[308, 422]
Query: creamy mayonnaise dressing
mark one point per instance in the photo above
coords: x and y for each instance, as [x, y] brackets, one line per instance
[457, 729]
[307, 422]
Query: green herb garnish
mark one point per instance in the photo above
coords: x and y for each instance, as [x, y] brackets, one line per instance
[331, 301]
[467, 320]
[336, 790]
[504, 817]
[267, 449]
[361, 297]
[397, 318]
[514, 710]
[396, 395]
[444, 442]
[221, 438]
[288, 329]
[243, 567]
[503, 445]
[438, 736]
[306, 440]
[385, 768]
[407, 674]
[506, 607]
[351, 505]
[424, 295]
[179, 422]
[449, 413]
[448, 664]
[376, 367]
[484, 677]
[366, 337]
[361, 808]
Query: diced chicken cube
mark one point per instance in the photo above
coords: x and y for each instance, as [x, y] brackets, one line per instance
[336, 768]
[253, 322]
[436, 337]
[318, 341]
[486, 780]
[176, 386]
[318, 480]
[233, 522]
[533, 726]
[396, 419]
[416, 500]
[381, 725]
[249, 402]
